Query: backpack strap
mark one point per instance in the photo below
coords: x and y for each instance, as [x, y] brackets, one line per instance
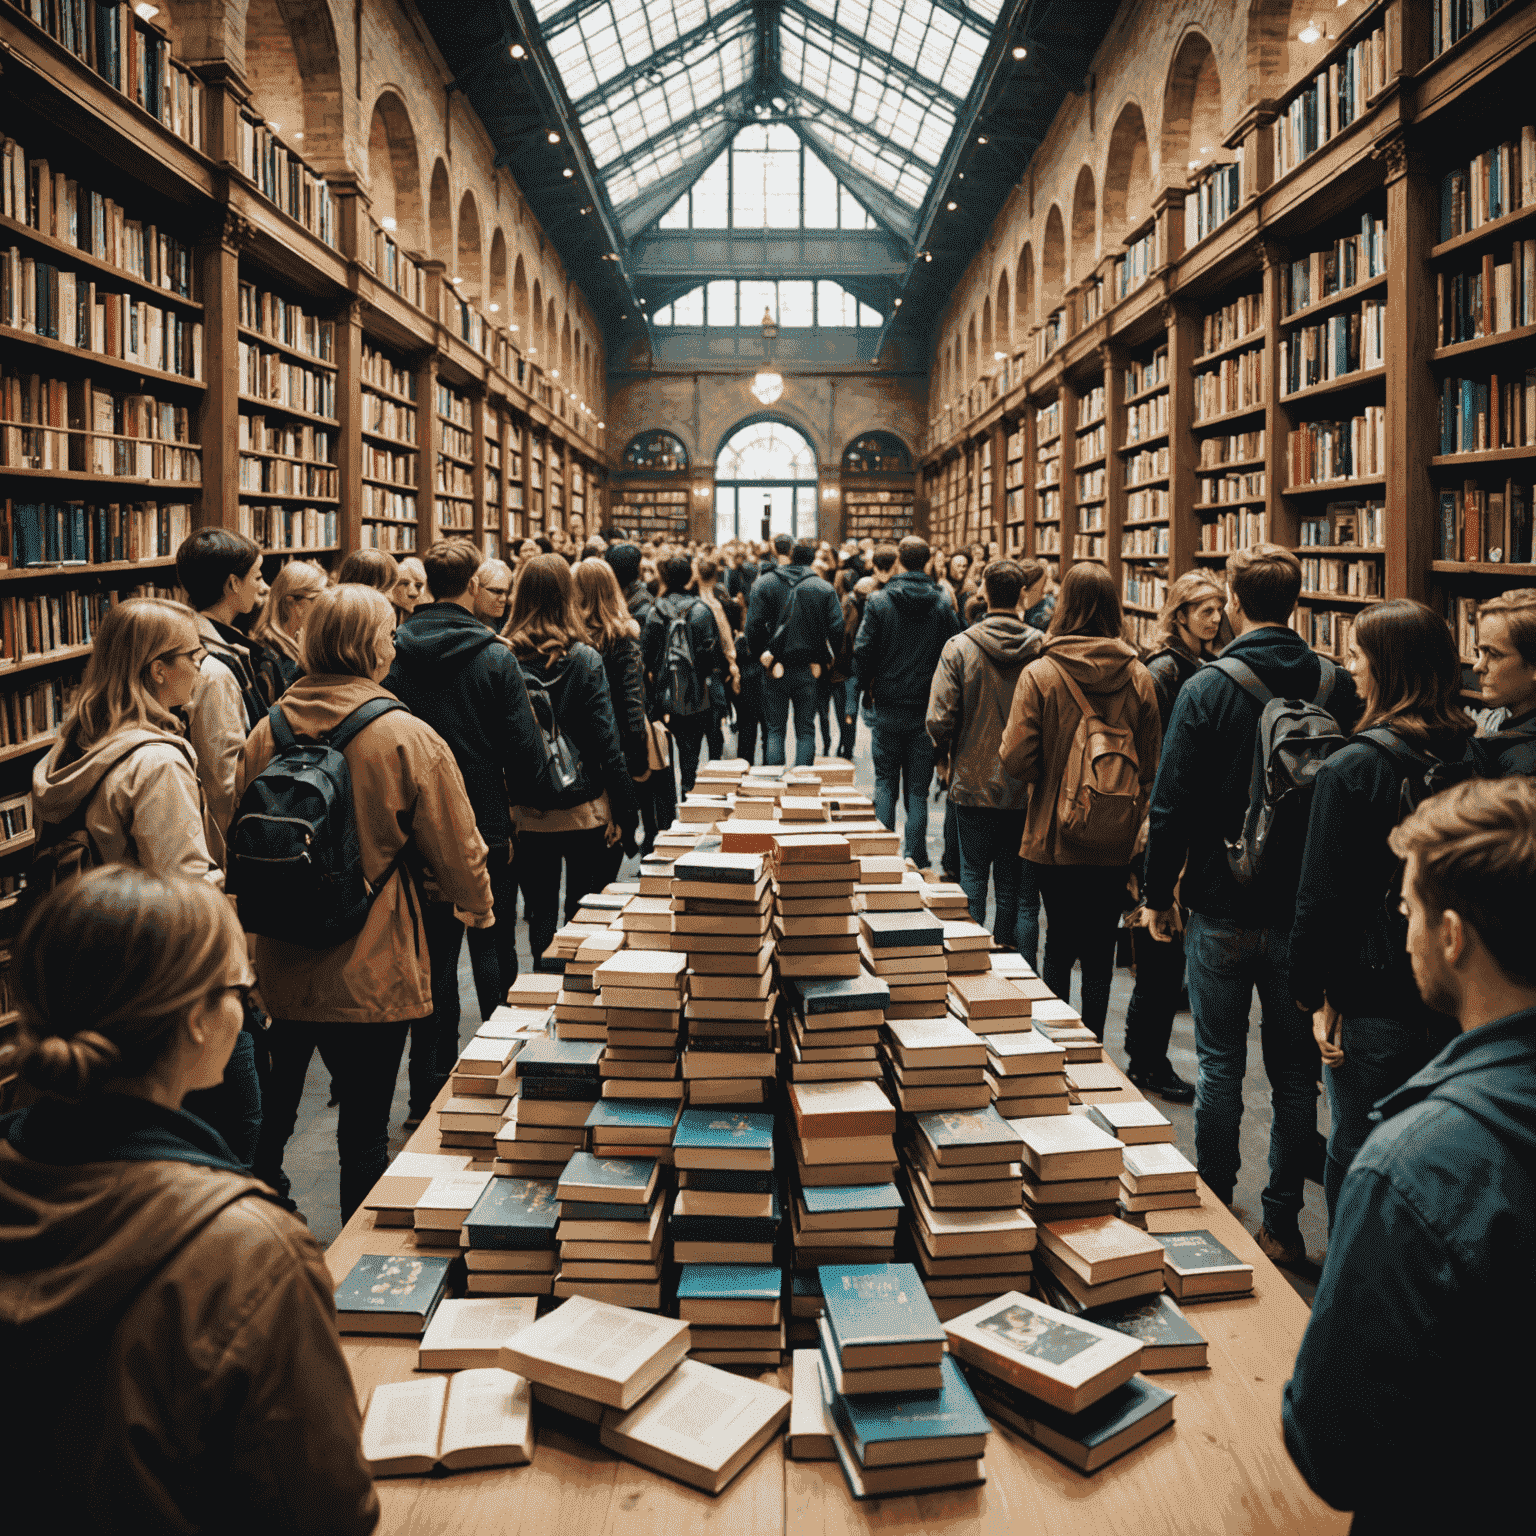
[282, 735]
[339, 737]
[1078, 696]
[1329, 675]
[1245, 677]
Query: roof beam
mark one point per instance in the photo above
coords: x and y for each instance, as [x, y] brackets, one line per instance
[661, 194]
[888, 62]
[731, 103]
[702, 254]
[654, 61]
[563, 17]
[887, 208]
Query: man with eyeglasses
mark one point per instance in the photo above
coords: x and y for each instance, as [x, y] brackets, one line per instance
[494, 596]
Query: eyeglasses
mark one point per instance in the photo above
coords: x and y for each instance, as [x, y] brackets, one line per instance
[197, 653]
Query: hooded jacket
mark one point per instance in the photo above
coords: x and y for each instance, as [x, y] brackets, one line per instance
[900, 640]
[1037, 743]
[818, 615]
[1171, 668]
[969, 704]
[144, 802]
[227, 702]
[1509, 750]
[458, 676]
[169, 1336]
[406, 789]
[1407, 1401]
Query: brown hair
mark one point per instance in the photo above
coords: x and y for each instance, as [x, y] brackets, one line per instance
[1004, 581]
[1476, 850]
[884, 557]
[1518, 610]
[1415, 674]
[1267, 581]
[108, 966]
[607, 617]
[114, 693]
[374, 568]
[913, 553]
[545, 619]
[451, 565]
[1088, 604]
[339, 639]
[1190, 588]
[292, 581]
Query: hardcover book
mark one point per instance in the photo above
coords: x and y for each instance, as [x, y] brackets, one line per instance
[731, 1294]
[838, 1199]
[719, 868]
[1101, 1248]
[1068, 1147]
[839, 994]
[1134, 1122]
[1195, 1264]
[1168, 1342]
[467, 1334]
[723, 1138]
[901, 930]
[841, 1109]
[477, 1418]
[879, 1314]
[560, 1058]
[899, 1429]
[391, 1293]
[514, 1213]
[615, 1180]
[844, 1381]
[1156, 1167]
[969, 1136]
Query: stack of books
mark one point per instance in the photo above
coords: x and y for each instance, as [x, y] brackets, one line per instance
[1101, 1259]
[484, 1068]
[1168, 1342]
[727, 1209]
[601, 907]
[812, 1431]
[969, 1236]
[644, 1043]
[1061, 1022]
[843, 1133]
[1134, 1122]
[393, 1199]
[579, 1011]
[471, 1121]
[989, 1003]
[1156, 1177]
[508, 1240]
[611, 1214]
[702, 809]
[443, 1205]
[814, 922]
[834, 1027]
[1098, 1082]
[734, 1312]
[945, 899]
[1026, 1075]
[1198, 1267]
[1071, 1167]
[656, 873]
[558, 1084]
[935, 1064]
[534, 989]
[392, 1293]
[886, 885]
[906, 951]
[967, 947]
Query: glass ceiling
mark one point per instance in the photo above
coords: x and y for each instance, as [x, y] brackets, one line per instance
[876, 85]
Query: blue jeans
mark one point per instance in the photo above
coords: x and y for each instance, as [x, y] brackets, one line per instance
[989, 846]
[1226, 963]
[903, 749]
[796, 687]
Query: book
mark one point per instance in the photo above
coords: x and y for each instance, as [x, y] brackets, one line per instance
[901, 930]
[880, 1315]
[1134, 1122]
[723, 1138]
[875, 1378]
[1196, 1264]
[841, 1109]
[1101, 1248]
[739, 1294]
[1156, 1167]
[838, 994]
[897, 1429]
[559, 1058]
[391, 1293]
[513, 1213]
[969, 1136]
[1168, 1342]
[614, 1180]
[476, 1418]
[609, 1354]
[702, 1425]
[852, 1205]
[467, 1334]
[1068, 1147]
[811, 1431]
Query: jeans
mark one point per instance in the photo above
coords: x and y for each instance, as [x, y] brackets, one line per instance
[688, 733]
[989, 848]
[749, 712]
[658, 810]
[1380, 1055]
[364, 1063]
[435, 1039]
[901, 749]
[493, 951]
[234, 1107]
[584, 856]
[1083, 903]
[1226, 964]
[824, 692]
[1155, 1000]
[846, 696]
[798, 688]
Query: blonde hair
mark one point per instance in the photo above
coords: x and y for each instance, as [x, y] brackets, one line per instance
[1191, 587]
[293, 581]
[108, 966]
[374, 568]
[602, 603]
[339, 639]
[1517, 608]
[115, 693]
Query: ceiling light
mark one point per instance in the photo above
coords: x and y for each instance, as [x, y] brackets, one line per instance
[455, 281]
[567, 173]
[1192, 164]
[898, 303]
[1021, 52]
[767, 387]
[554, 373]
[999, 357]
[552, 136]
[981, 139]
[780, 104]
[601, 425]
[927, 255]
[495, 309]
[514, 328]
[951, 206]
[1310, 33]
[388, 221]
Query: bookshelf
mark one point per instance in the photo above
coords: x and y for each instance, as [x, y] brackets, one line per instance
[1018, 443]
[493, 479]
[390, 455]
[453, 500]
[1048, 488]
[536, 442]
[1141, 471]
[886, 516]
[654, 512]
[1090, 449]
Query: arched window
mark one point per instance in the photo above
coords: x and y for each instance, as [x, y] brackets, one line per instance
[656, 453]
[876, 453]
[765, 482]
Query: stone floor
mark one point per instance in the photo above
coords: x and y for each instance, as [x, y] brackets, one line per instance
[311, 1157]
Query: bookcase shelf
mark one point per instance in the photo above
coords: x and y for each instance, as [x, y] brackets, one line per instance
[1483, 568]
[1331, 301]
[1244, 413]
[289, 410]
[86, 361]
[1522, 336]
[1484, 456]
[1242, 344]
[1357, 380]
[1492, 230]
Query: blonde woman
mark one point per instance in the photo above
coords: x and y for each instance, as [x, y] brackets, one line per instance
[281, 623]
[410, 588]
[1186, 630]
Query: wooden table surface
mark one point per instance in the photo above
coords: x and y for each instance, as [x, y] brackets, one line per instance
[1222, 1467]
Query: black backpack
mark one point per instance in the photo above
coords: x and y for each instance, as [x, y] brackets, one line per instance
[295, 861]
[680, 689]
[562, 763]
[1294, 739]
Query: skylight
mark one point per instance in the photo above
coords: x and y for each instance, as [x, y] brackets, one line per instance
[795, 304]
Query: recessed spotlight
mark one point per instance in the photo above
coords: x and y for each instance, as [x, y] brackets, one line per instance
[601, 425]
[388, 221]
[567, 173]
[951, 206]
[514, 327]
[518, 51]
[1021, 52]
[552, 136]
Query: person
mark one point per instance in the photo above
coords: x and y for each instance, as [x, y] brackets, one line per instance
[686, 704]
[616, 638]
[355, 1002]
[493, 594]
[281, 621]
[1506, 667]
[375, 568]
[953, 580]
[725, 685]
[408, 590]
[971, 697]
[1348, 968]
[456, 674]
[658, 795]
[1188, 623]
[1039, 598]
[1402, 1382]
[1237, 937]
[575, 827]
[905, 626]
[1081, 877]
[172, 1324]
[796, 619]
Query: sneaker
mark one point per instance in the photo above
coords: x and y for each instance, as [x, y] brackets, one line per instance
[1165, 1083]
[1289, 1251]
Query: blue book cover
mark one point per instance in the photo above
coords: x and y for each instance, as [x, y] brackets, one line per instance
[726, 1129]
[27, 530]
[635, 1114]
[872, 1304]
[729, 1282]
[967, 1128]
[560, 1058]
[839, 994]
[588, 1171]
[1112, 1415]
[806, 1282]
[394, 1285]
[1196, 1250]
[877, 1418]
[514, 1213]
[852, 1197]
[890, 930]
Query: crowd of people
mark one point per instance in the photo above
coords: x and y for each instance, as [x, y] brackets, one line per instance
[446, 735]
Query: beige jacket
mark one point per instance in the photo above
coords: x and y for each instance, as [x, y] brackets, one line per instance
[217, 730]
[407, 789]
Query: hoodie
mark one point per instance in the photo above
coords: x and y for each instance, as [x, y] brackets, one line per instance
[968, 706]
[900, 639]
[175, 1332]
[812, 619]
[1508, 750]
[1407, 1404]
[1037, 742]
[143, 803]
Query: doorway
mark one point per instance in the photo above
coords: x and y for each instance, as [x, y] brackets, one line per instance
[765, 483]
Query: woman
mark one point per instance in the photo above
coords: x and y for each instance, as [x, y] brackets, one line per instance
[172, 1324]
[374, 568]
[355, 1002]
[1038, 600]
[1349, 969]
[616, 637]
[575, 828]
[956, 581]
[1082, 870]
[706, 582]
[1186, 631]
[409, 588]
[290, 597]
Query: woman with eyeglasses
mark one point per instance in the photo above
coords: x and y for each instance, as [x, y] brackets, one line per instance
[172, 1323]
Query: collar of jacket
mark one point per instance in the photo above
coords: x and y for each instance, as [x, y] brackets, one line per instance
[1176, 647]
[675, 604]
[1509, 1041]
[115, 1128]
[1270, 637]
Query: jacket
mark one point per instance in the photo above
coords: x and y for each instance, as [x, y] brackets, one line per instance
[145, 807]
[458, 676]
[638, 596]
[1201, 794]
[1511, 749]
[406, 790]
[818, 615]
[226, 703]
[1037, 741]
[578, 690]
[169, 1336]
[900, 639]
[1346, 872]
[704, 634]
[625, 671]
[1171, 668]
[969, 704]
[1408, 1401]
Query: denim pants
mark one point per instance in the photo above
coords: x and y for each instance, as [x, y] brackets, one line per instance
[798, 688]
[1155, 1000]
[1083, 903]
[1226, 964]
[234, 1107]
[493, 951]
[989, 847]
[902, 749]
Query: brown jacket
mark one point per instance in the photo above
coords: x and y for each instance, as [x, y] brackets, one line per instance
[169, 1338]
[406, 787]
[1038, 738]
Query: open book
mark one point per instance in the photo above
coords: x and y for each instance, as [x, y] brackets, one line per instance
[478, 1418]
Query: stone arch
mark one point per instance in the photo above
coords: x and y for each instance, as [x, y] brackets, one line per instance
[440, 217]
[1192, 110]
[1024, 292]
[1085, 225]
[520, 305]
[293, 66]
[551, 338]
[1004, 331]
[1127, 175]
[970, 348]
[497, 292]
[1053, 262]
[394, 170]
[986, 334]
[536, 335]
[566, 376]
[470, 263]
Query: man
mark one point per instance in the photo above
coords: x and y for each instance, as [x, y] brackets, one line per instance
[1239, 935]
[727, 687]
[696, 683]
[968, 706]
[1506, 665]
[493, 593]
[657, 794]
[796, 616]
[1038, 601]
[900, 640]
[624, 559]
[457, 676]
[1406, 1405]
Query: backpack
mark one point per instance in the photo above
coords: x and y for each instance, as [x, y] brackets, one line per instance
[1098, 806]
[1294, 739]
[562, 763]
[295, 860]
[679, 688]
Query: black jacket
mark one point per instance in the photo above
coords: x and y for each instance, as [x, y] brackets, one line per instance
[455, 674]
[640, 601]
[818, 615]
[1509, 750]
[1171, 668]
[625, 672]
[702, 631]
[903, 631]
[1201, 794]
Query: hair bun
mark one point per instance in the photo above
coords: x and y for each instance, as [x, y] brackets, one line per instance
[73, 1066]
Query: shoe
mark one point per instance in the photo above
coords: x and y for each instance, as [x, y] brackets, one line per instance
[1289, 1252]
[412, 1121]
[1165, 1083]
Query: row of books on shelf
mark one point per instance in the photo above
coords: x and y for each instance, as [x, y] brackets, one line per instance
[1149, 464]
[258, 433]
[15, 817]
[1478, 523]
[1091, 484]
[56, 205]
[1140, 376]
[1088, 546]
[43, 624]
[1352, 524]
[454, 479]
[456, 442]
[1451, 20]
[272, 377]
[1325, 629]
[1090, 519]
[39, 299]
[1236, 383]
[397, 270]
[288, 477]
[389, 418]
[1232, 448]
[92, 453]
[283, 527]
[1047, 539]
[33, 715]
[1356, 449]
[1050, 336]
[1230, 531]
[1048, 422]
[1476, 417]
[396, 538]
[1218, 490]
[381, 371]
[385, 464]
[1145, 541]
[452, 406]
[1499, 181]
[1229, 323]
[1350, 260]
[1090, 408]
[393, 506]
[1146, 506]
[1138, 264]
[285, 180]
[1336, 96]
[1145, 586]
[453, 516]
[1344, 577]
[1147, 418]
[1498, 296]
[1090, 445]
[279, 319]
[79, 532]
[1212, 198]
[1340, 345]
